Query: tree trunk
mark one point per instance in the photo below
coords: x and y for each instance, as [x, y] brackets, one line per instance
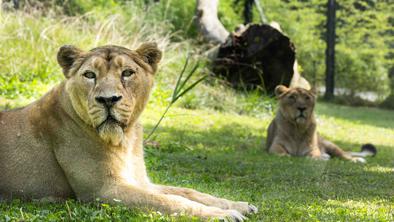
[208, 21]
[16, 4]
[330, 51]
[248, 11]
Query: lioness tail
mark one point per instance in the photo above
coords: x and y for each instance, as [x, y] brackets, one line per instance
[366, 150]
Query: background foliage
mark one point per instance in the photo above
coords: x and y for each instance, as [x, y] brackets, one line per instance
[29, 40]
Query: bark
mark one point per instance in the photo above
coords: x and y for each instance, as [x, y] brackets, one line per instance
[208, 22]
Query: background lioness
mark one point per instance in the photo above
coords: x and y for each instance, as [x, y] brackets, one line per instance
[293, 130]
[82, 139]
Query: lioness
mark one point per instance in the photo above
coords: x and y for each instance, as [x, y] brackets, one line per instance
[293, 130]
[83, 139]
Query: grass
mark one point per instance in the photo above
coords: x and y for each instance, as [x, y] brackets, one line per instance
[218, 152]
[221, 153]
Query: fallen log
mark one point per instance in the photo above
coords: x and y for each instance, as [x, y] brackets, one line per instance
[255, 56]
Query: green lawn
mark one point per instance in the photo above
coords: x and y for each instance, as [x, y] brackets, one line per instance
[221, 154]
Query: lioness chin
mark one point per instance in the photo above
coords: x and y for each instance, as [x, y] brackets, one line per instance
[293, 130]
[83, 140]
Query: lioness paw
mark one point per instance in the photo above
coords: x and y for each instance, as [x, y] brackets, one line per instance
[253, 209]
[325, 156]
[232, 216]
[213, 213]
[244, 207]
[358, 160]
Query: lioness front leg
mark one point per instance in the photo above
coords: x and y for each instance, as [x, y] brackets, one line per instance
[278, 149]
[316, 154]
[172, 204]
[207, 199]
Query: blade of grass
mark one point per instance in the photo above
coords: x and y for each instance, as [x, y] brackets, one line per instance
[190, 87]
[179, 91]
[180, 77]
[158, 123]
[189, 76]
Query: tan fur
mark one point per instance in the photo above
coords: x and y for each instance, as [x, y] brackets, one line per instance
[293, 130]
[69, 144]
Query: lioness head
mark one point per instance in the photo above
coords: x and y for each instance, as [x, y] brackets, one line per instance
[296, 104]
[109, 86]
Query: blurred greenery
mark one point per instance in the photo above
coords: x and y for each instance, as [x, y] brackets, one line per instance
[363, 35]
[29, 39]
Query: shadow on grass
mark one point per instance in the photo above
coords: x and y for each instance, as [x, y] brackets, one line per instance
[226, 137]
[369, 116]
[294, 188]
[236, 137]
[231, 158]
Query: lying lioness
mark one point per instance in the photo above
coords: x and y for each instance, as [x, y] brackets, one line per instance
[83, 140]
[293, 131]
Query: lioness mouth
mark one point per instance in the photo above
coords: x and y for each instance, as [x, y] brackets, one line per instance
[111, 121]
[300, 117]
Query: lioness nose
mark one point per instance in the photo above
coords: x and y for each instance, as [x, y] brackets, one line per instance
[108, 101]
[301, 109]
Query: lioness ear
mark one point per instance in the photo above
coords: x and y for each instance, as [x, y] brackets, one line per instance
[66, 57]
[150, 53]
[280, 89]
[313, 90]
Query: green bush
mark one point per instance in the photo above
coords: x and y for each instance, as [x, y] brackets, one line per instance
[358, 71]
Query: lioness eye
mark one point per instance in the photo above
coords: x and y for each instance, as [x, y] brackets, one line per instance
[292, 97]
[127, 73]
[89, 75]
